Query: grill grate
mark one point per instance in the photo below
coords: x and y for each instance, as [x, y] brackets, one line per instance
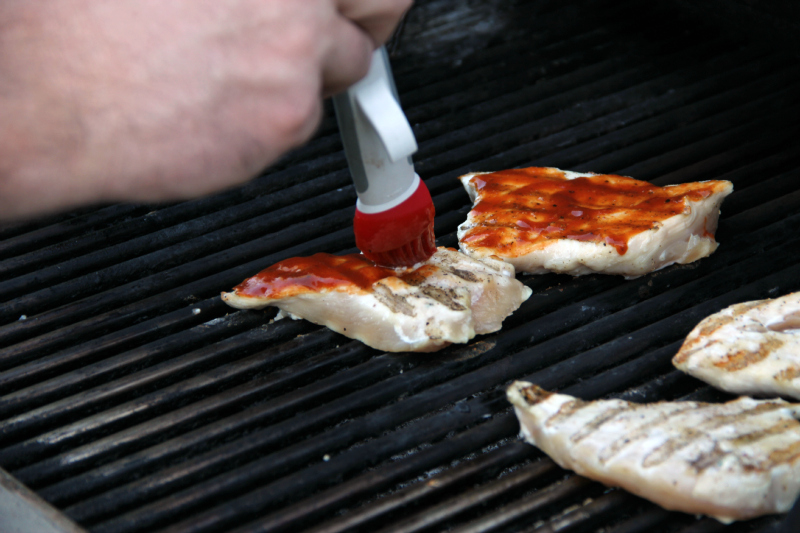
[134, 400]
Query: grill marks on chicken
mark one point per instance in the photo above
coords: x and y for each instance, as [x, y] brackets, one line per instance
[546, 219]
[747, 348]
[732, 461]
[448, 298]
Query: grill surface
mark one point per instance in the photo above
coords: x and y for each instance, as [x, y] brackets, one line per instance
[134, 400]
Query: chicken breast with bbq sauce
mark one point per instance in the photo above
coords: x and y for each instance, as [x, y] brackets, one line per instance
[548, 220]
[447, 299]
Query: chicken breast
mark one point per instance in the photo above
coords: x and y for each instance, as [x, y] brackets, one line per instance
[549, 220]
[448, 298]
[732, 461]
[748, 348]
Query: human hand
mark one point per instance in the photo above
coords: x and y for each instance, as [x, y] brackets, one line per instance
[150, 100]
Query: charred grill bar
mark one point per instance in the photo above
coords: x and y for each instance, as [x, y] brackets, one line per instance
[132, 399]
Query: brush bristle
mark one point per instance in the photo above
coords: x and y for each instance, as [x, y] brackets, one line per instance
[401, 236]
[409, 254]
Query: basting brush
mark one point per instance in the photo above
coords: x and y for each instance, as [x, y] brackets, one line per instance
[393, 224]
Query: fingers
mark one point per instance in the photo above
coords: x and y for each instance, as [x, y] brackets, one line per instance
[348, 57]
[378, 18]
[360, 27]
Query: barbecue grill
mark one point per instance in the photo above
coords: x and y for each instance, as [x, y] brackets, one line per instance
[134, 400]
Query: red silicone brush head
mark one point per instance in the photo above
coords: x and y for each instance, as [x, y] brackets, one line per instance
[400, 236]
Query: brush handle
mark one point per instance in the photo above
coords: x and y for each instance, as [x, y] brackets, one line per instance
[378, 140]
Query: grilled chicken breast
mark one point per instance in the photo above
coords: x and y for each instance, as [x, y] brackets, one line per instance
[748, 348]
[732, 461]
[549, 220]
[448, 298]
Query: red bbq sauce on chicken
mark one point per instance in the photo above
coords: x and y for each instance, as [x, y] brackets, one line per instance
[313, 274]
[520, 208]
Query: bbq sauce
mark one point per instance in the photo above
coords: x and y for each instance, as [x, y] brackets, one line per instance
[520, 208]
[312, 274]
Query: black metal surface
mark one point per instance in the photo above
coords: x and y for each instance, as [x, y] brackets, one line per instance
[134, 400]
